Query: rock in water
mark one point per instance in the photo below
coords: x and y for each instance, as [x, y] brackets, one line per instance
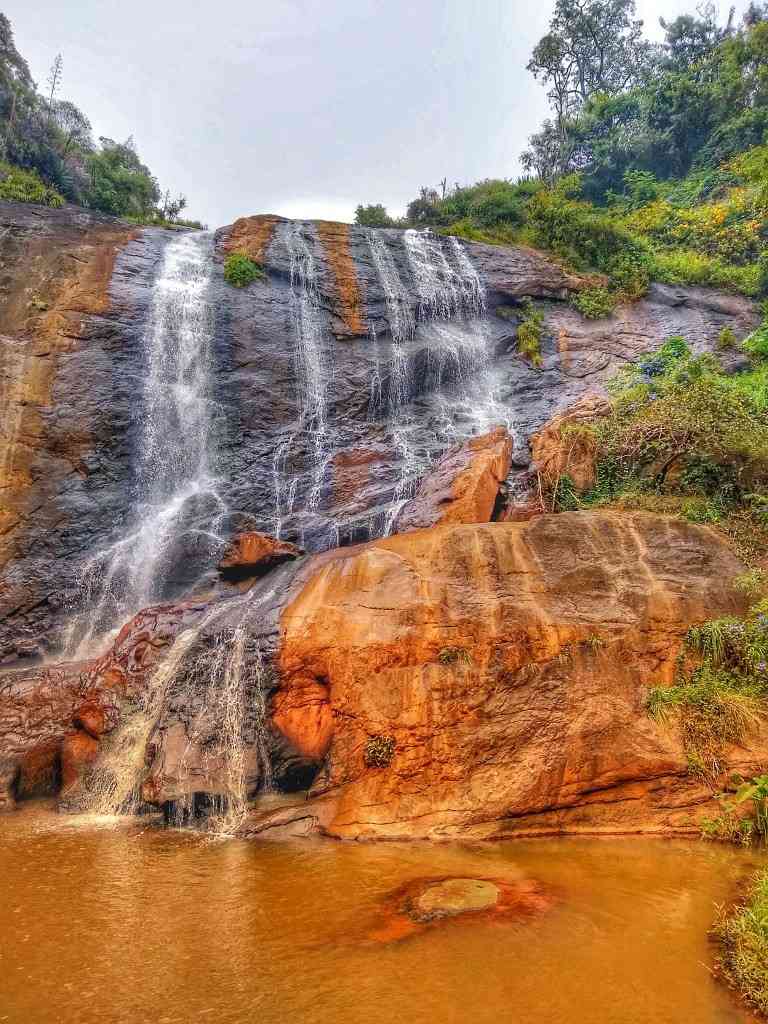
[452, 897]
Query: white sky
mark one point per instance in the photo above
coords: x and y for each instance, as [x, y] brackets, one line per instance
[303, 107]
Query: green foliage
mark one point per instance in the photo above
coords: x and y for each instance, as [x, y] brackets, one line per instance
[677, 416]
[594, 303]
[373, 216]
[120, 183]
[379, 751]
[26, 187]
[529, 333]
[726, 339]
[743, 937]
[686, 266]
[51, 138]
[720, 694]
[240, 270]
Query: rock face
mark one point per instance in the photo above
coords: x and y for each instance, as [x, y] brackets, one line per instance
[464, 485]
[476, 678]
[510, 664]
[556, 452]
[75, 298]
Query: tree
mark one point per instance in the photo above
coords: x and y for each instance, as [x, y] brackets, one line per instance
[373, 216]
[54, 80]
[74, 126]
[120, 182]
[593, 47]
[689, 39]
[15, 81]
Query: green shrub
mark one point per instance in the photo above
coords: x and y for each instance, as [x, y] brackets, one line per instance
[379, 751]
[726, 339]
[22, 186]
[589, 239]
[240, 270]
[720, 694]
[594, 303]
[743, 938]
[672, 408]
[684, 266]
[529, 333]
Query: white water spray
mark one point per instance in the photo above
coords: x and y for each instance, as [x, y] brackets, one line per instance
[176, 487]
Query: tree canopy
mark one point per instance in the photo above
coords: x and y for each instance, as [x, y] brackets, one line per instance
[46, 138]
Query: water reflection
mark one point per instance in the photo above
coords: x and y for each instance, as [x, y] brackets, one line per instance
[132, 924]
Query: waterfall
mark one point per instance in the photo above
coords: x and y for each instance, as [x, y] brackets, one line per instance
[449, 301]
[312, 373]
[203, 716]
[175, 484]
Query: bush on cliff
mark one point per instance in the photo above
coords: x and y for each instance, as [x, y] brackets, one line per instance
[720, 694]
[240, 270]
[529, 333]
[682, 438]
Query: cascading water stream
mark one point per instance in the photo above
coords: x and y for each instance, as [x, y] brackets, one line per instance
[176, 487]
[311, 369]
[450, 302]
[203, 712]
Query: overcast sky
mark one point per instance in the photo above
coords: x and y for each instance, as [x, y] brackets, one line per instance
[302, 107]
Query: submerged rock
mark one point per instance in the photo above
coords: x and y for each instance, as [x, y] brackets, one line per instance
[453, 896]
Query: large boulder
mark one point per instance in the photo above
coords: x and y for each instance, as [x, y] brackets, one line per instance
[499, 674]
[463, 486]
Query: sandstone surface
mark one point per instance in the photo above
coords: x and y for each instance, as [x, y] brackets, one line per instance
[464, 485]
[510, 663]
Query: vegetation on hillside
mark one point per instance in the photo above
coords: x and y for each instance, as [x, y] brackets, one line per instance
[684, 438]
[48, 155]
[654, 164]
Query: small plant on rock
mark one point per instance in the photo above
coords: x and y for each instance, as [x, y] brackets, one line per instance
[726, 339]
[529, 333]
[240, 270]
[379, 751]
[594, 303]
[452, 655]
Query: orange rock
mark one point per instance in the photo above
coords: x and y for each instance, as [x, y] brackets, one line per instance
[510, 663]
[302, 713]
[78, 751]
[463, 486]
[253, 554]
[251, 235]
[557, 452]
[429, 902]
[91, 719]
[335, 239]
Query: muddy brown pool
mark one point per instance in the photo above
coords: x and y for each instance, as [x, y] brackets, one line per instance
[130, 924]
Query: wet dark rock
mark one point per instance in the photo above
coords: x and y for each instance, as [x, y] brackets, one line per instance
[73, 432]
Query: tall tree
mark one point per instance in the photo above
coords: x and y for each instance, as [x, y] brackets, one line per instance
[593, 47]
